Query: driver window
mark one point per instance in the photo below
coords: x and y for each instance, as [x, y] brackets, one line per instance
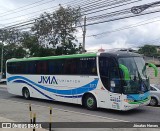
[115, 81]
[109, 74]
[104, 71]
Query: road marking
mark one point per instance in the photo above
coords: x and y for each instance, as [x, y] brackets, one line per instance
[109, 118]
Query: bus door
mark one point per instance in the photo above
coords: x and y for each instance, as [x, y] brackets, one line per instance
[110, 77]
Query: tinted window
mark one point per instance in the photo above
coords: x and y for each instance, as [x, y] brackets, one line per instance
[104, 71]
[76, 66]
[70, 66]
[11, 67]
[21, 67]
[41, 67]
[56, 66]
[109, 73]
[30, 67]
[87, 66]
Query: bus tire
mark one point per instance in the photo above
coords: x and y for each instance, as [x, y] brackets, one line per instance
[153, 101]
[90, 102]
[26, 93]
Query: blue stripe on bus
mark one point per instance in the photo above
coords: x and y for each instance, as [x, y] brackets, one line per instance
[138, 97]
[21, 81]
[73, 96]
[76, 91]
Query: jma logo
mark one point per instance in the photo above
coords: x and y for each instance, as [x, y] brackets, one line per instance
[48, 80]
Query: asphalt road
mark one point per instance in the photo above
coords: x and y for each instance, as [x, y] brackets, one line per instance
[142, 114]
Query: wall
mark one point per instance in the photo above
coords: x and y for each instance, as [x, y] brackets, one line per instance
[154, 80]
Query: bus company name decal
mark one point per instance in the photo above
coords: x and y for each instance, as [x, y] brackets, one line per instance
[48, 80]
[53, 80]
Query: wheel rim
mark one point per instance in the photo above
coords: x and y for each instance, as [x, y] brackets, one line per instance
[26, 94]
[153, 102]
[90, 102]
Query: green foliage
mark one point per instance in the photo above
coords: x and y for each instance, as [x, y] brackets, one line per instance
[33, 47]
[148, 50]
[58, 28]
[10, 36]
[52, 34]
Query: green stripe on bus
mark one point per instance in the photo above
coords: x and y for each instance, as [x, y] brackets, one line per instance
[53, 57]
[139, 102]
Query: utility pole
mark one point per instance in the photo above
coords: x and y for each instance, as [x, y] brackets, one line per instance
[84, 34]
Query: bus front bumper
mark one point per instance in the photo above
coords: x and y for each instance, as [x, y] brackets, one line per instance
[132, 105]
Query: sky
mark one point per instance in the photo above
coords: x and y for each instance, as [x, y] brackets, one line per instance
[16, 11]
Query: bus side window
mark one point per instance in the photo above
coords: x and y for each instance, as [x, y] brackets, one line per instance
[41, 67]
[11, 67]
[73, 67]
[87, 66]
[31, 67]
[60, 66]
[67, 66]
[51, 67]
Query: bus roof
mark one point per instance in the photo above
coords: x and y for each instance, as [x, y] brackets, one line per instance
[52, 57]
[115, 54]
[118, 54]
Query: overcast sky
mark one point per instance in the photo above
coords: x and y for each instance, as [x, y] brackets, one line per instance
[133, 37]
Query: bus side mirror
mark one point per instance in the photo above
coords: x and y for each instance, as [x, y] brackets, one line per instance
[154, 67]
[125, 72]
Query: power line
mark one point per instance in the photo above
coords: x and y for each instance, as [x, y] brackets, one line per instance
[133, 15]
[129, 16]
[45, 9]
[119, 19]
[123, 28]
[115, 13]
[105, 4]
[110, 8]
[13, 11]
[94, 12]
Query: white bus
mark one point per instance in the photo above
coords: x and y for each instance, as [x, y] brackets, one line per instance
[113, 80]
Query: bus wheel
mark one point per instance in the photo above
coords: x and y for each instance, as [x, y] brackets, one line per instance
[26, 93]
[90, 102]
[153, 102]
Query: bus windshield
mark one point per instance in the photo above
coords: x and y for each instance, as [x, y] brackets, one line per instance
[138, 82]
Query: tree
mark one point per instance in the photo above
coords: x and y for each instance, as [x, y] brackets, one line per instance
[148, 50]
[11, 43]
[10, 36]
[58, 28]
[33, 47]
